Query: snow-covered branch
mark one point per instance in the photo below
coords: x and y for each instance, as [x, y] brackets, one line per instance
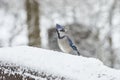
[20, 63]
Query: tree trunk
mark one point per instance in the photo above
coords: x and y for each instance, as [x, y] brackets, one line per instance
[32, 8]
[110, 39]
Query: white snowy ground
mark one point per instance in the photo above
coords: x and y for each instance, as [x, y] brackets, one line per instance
[57, 63]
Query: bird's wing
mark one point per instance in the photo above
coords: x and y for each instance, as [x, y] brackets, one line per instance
[73, 45]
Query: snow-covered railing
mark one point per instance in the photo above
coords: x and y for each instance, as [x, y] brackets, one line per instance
[29, 63]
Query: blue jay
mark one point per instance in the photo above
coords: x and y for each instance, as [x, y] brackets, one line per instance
[64, 42]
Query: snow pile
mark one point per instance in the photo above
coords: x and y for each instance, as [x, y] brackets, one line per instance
[60, 64]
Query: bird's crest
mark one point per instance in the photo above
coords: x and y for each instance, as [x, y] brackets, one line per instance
[59, 27]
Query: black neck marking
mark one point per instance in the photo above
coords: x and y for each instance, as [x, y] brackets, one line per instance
[60, 37]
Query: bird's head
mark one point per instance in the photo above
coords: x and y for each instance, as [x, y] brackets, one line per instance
[60, 30]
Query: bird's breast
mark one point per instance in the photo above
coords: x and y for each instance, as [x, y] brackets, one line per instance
[64, 45]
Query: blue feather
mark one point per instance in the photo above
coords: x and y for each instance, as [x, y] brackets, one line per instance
[59, 27]
[72, 45]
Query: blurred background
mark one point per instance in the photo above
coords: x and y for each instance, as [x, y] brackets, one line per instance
[94, 25]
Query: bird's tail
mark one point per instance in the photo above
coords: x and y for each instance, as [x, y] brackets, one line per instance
[78, 53]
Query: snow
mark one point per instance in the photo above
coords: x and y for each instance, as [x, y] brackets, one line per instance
[58, 63]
